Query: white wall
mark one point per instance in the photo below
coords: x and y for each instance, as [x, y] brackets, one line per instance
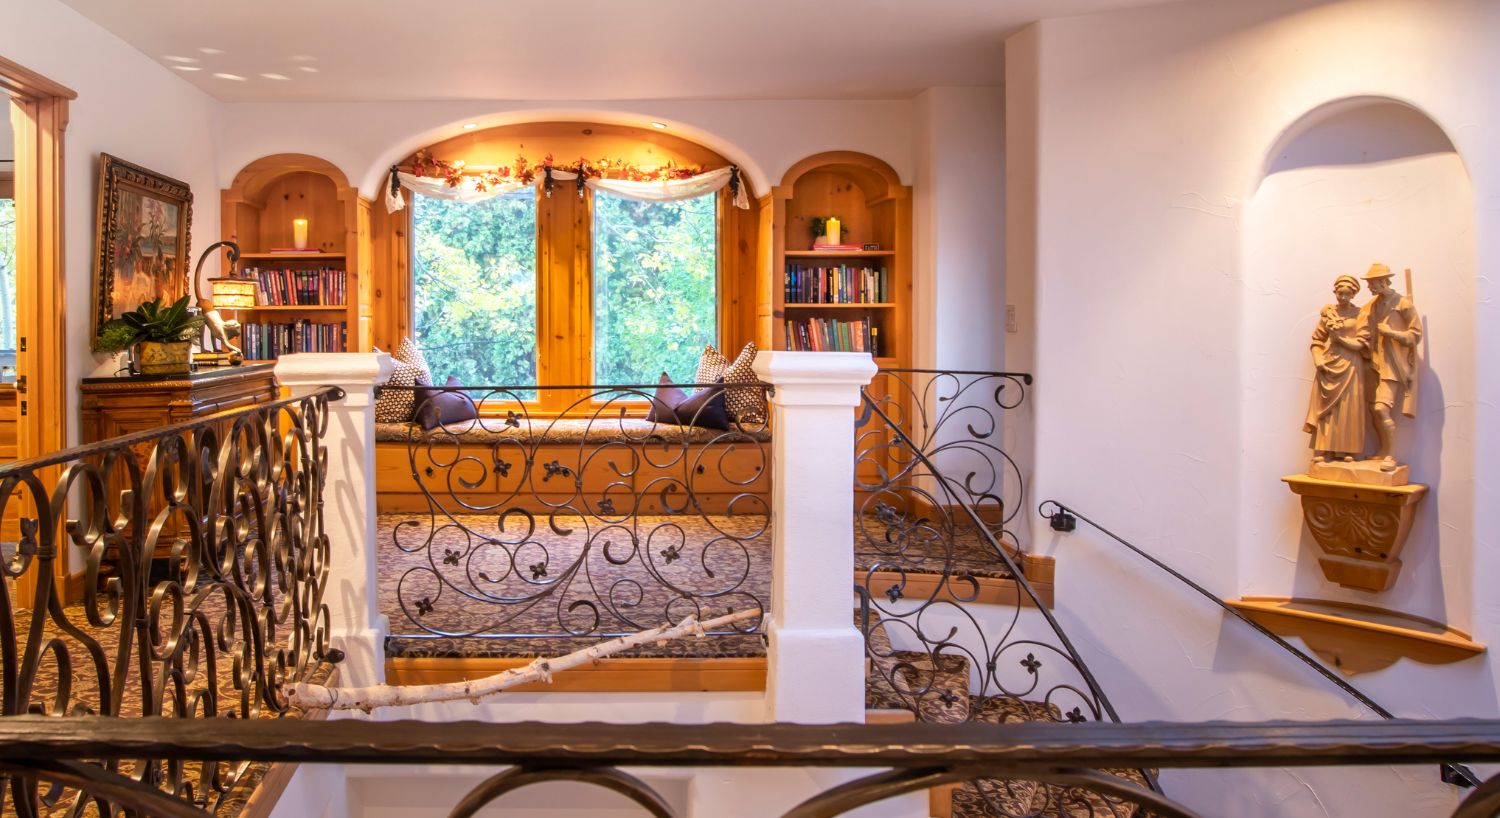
[1174, 294]
[128, 106]
[959, 215]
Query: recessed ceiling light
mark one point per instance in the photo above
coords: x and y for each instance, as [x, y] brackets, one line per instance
[187, 68]
[659, 125]
[276, 76]
[234, 77]
[210, 51]
[307, 68]
[304, 58]
[174, 58]
[469, 126]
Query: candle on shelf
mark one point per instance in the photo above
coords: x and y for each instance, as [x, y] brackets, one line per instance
[833, 229]
[299, 233]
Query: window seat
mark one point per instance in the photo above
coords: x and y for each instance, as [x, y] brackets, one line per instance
[567, 430]
[544, 464]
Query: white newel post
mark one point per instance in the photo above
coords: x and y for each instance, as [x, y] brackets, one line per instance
[352, 596]
[815, 672]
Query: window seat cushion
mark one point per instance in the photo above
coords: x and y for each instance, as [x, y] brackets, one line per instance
[567, 430]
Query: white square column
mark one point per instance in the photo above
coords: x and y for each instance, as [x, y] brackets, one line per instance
[353, 598]
[815, 671]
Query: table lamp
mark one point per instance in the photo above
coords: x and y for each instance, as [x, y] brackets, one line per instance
[227, 292]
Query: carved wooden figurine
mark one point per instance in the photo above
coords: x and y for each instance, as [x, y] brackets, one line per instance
[1360, 510]
[1395, 333]
[1337, 415]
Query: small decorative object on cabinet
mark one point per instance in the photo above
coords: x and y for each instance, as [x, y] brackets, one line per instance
[1365, 368]
[304, 235]
[159, 338]
[141, 239]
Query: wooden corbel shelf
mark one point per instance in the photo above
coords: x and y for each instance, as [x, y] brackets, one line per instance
[1359, 638]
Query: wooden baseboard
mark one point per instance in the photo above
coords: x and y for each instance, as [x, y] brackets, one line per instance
[631, 675]
[991, 591]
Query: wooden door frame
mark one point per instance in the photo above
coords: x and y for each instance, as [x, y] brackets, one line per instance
[39, 118]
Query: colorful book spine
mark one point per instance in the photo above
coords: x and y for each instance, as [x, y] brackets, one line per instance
[327, 287]
[842, 284]
[832, 335]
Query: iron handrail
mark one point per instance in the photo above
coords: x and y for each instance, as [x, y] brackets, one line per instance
[1065, 518]
[1010, 564]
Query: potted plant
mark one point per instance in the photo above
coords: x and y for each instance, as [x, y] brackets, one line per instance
[162, 337]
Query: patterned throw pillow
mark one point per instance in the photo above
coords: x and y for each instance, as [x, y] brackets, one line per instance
[711, 365]
[746, 404]
[409, 353]
[395, 405]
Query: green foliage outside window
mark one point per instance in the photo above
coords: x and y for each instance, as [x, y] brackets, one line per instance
[474, 288]
[655, 287]
[7, 274]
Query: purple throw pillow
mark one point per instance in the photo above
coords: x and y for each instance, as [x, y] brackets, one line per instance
[705, 409]
[664, 403]
[436, 406]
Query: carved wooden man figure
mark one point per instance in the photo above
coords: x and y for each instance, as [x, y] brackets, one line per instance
[1395, 331]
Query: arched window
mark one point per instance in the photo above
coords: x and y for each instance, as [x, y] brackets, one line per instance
[573, 288]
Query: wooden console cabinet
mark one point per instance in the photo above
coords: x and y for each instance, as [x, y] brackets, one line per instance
[137, 403]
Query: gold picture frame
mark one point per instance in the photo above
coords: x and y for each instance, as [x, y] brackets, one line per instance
[142, 237]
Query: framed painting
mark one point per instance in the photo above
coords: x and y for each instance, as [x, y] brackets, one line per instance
[141, 238]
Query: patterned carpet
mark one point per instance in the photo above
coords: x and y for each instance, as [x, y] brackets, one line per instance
[451, 585]
[219, 690]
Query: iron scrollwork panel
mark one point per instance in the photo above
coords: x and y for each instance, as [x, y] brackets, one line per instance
[936, 494]
[217, 629]
[591, 522]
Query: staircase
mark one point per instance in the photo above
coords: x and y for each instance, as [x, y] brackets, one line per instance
[915, 686]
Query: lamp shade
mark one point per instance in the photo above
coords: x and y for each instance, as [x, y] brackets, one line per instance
[233, 293]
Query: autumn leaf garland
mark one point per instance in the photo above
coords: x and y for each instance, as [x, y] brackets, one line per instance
[523, 171]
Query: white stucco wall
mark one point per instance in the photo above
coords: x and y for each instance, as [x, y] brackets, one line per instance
[128, 106]
[1174, 294]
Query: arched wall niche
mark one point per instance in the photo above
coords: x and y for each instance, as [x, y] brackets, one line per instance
[1352, 182]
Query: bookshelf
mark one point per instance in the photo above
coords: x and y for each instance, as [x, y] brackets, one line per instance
[316, 299]
[875, 208]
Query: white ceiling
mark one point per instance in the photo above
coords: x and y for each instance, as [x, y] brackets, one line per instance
[577, 49]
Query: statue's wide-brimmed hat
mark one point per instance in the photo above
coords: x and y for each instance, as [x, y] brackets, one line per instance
[1377, 270]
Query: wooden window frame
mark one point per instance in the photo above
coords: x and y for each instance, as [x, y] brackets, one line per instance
[565, 297]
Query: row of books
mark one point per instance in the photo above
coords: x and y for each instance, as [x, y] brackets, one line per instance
[841, 284]
[266, 341]
[285, 288]
[832, 335]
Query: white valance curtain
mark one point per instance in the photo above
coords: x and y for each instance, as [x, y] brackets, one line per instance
[666, 190]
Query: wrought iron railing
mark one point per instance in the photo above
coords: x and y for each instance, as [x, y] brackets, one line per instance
[1065, 519]
[589, 522]
[935, 492]
[79, 752]
[204, 562]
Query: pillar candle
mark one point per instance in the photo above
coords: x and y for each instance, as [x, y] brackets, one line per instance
[299, 233]
[833, 229]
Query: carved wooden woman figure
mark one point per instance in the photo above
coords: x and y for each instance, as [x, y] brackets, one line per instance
[1338, 415]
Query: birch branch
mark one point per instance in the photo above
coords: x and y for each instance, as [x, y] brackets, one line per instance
[318, 697]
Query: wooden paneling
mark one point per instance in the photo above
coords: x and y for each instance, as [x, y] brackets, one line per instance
[718, 473]
[612, 675]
